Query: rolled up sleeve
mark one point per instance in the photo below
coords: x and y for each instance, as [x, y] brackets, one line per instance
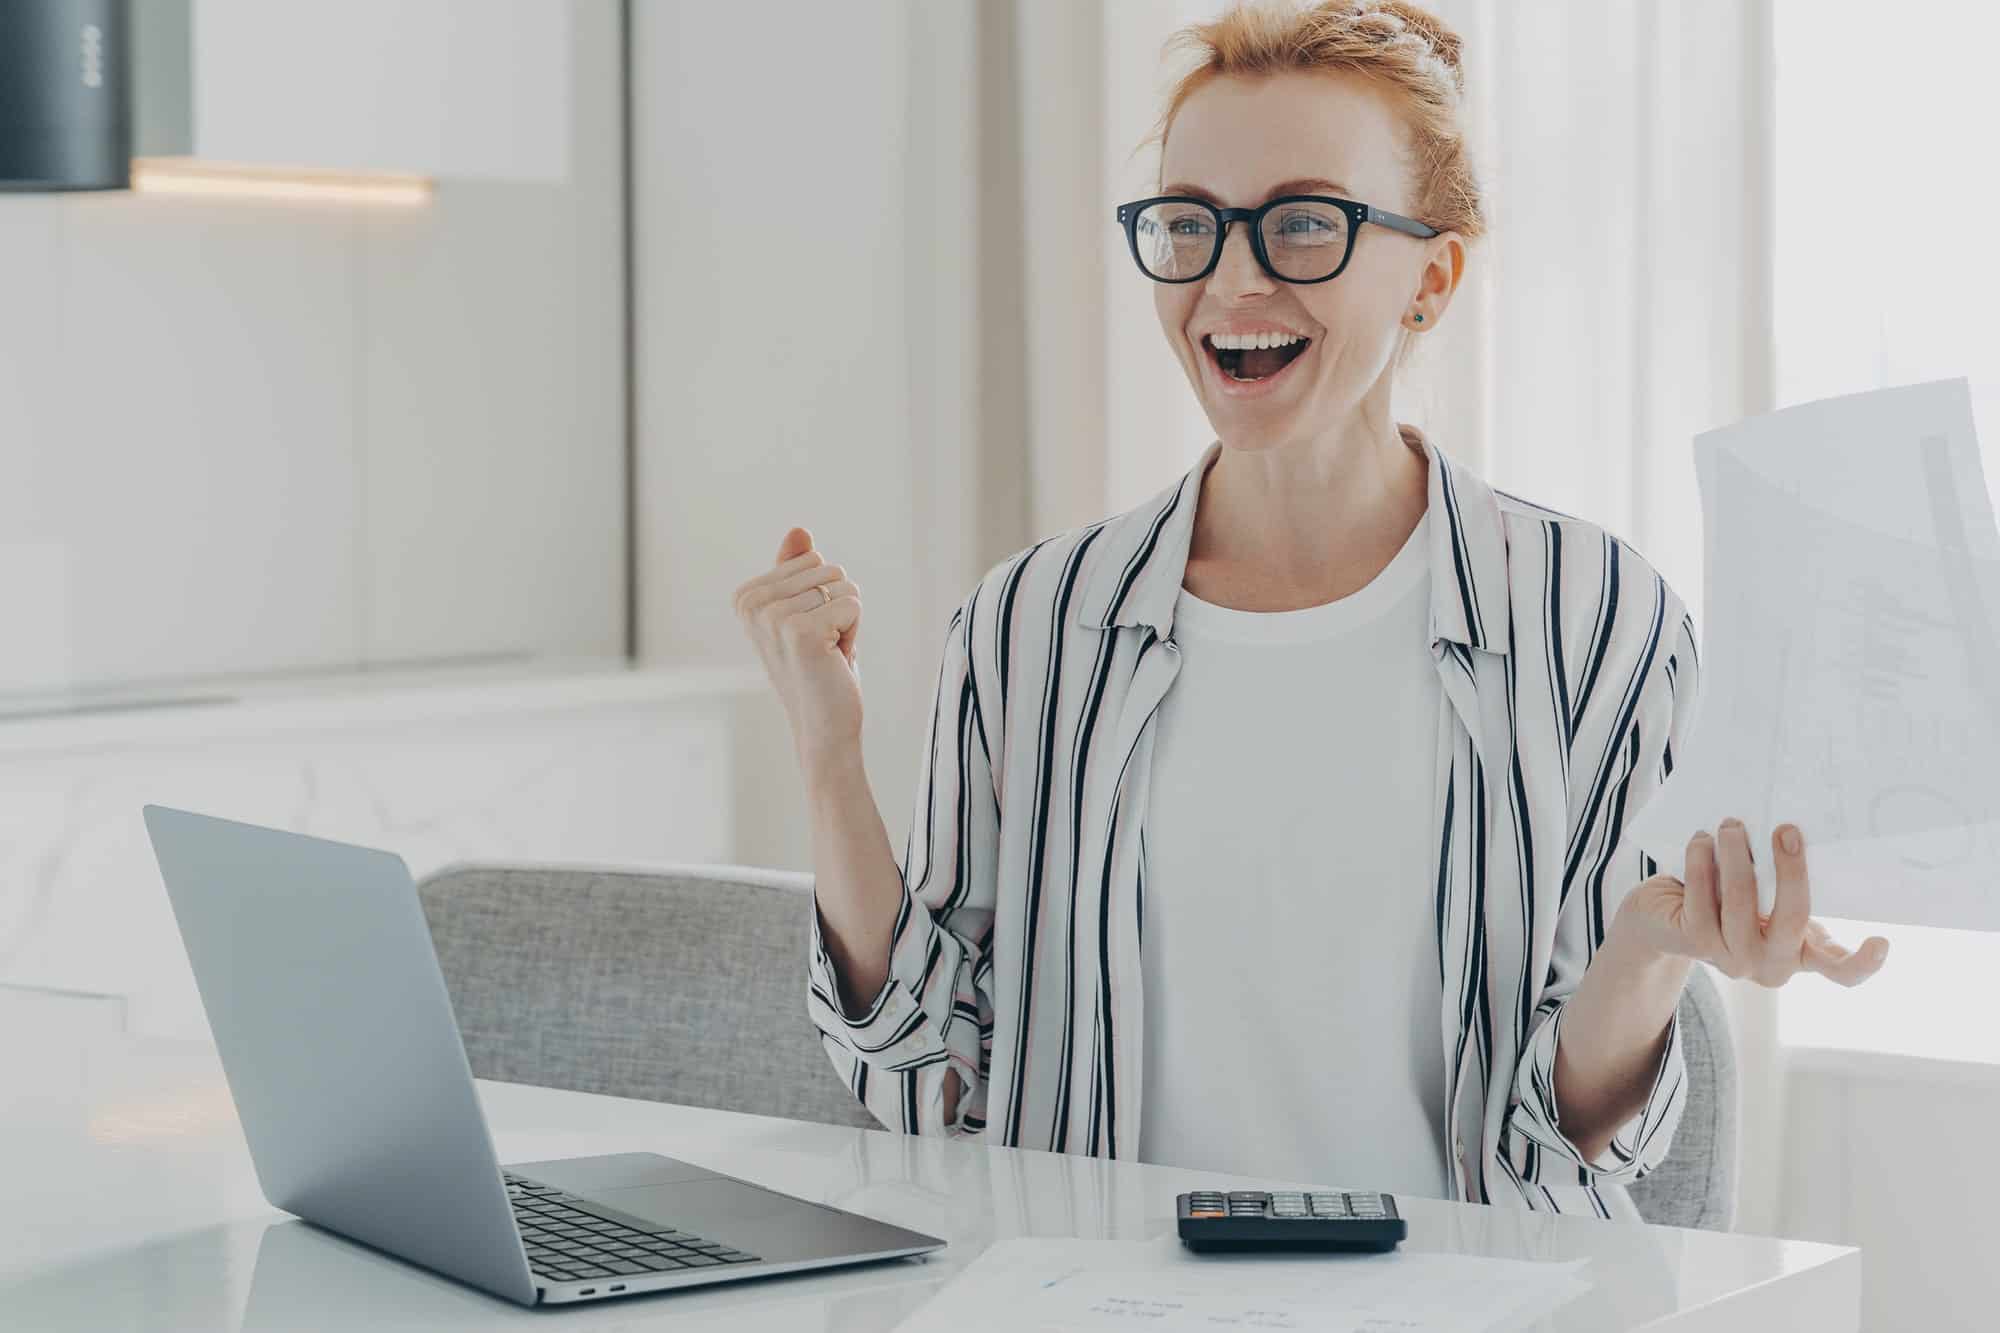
[933, 1013]
[1659, 726]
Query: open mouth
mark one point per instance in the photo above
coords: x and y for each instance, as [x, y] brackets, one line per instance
[1248, 363]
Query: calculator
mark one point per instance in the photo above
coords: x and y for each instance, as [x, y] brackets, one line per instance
[1289, 1220]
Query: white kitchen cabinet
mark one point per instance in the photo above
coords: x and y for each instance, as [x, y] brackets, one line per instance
[451, 89]
[605, 765]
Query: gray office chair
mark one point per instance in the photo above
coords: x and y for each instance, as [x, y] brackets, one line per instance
[1696, 1185]
[687, 984]
[678, 984]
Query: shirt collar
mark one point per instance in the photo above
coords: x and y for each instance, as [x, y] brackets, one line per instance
[1137, 580]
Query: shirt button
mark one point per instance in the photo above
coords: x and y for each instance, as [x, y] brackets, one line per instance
[1461, 1147]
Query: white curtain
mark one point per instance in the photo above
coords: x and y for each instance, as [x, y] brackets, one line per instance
[1620, 304]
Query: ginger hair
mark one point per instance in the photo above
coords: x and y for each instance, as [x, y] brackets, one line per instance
[1404, 47]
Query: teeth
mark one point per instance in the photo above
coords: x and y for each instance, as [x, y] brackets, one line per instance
[1244, 342]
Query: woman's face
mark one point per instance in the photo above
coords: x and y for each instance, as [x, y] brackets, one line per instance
[1238, 142]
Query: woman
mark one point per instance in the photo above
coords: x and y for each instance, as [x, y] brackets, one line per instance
[1274, 826]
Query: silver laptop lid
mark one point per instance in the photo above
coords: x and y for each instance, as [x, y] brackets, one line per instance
[316, 968]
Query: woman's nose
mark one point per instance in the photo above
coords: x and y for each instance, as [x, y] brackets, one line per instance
[1237, 271]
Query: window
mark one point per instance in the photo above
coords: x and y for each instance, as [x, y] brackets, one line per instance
[1884, 275]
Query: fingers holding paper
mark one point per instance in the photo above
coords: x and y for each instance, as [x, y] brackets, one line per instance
[1712, 915]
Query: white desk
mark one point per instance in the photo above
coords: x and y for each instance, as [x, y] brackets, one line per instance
[130, 1203]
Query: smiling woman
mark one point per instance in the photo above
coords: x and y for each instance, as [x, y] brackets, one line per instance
[1305, 781]
[1322, 233]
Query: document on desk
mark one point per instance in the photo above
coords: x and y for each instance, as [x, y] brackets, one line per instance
[1850, 679]
[1054, 1285]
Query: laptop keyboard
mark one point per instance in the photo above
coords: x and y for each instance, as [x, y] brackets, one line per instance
[567, 1244]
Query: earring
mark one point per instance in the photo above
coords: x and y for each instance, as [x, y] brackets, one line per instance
[1420, 319]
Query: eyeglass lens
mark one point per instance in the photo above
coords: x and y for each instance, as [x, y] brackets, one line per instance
[1304, 240]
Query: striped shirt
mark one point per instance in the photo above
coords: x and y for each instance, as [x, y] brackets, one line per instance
[1569, 674]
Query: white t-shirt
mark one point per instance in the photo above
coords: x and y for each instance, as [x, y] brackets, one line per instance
[1292, 1001]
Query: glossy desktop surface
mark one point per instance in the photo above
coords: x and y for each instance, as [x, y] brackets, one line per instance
[132, 1205]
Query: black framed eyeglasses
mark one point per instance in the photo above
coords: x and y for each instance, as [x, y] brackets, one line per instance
[1296, 237]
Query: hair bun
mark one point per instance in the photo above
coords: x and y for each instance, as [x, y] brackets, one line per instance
[1443, 40]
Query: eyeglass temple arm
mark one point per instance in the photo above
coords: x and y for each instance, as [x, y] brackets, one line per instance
[1396, 222]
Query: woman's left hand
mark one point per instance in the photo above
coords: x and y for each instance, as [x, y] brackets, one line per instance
[1713, 916]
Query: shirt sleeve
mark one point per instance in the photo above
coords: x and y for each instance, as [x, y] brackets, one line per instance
[1610, 783]
[934, 1011]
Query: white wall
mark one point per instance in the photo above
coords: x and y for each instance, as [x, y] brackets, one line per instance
[446, 88]
[1885, 1152]
[805, 325]
[240, 436]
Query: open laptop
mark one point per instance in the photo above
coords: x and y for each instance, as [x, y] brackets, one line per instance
[316, 968]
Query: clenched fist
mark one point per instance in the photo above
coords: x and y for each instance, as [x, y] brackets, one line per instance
[804, 616]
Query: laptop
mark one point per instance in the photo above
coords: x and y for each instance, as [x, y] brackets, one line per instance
[315, 966]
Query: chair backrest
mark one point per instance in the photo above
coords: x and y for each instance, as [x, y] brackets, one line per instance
[687, 984]
[679, 984]
[1696, 1185]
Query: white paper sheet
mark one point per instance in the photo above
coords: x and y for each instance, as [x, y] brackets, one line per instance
[1050, 1285]
[1850, 680]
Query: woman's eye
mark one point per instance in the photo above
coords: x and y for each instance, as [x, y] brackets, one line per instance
[1303, 226]
[1188, 227]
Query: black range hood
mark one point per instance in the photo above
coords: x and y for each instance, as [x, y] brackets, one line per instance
[65, 97]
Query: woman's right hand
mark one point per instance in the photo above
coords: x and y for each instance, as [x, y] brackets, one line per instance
[808, 646]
